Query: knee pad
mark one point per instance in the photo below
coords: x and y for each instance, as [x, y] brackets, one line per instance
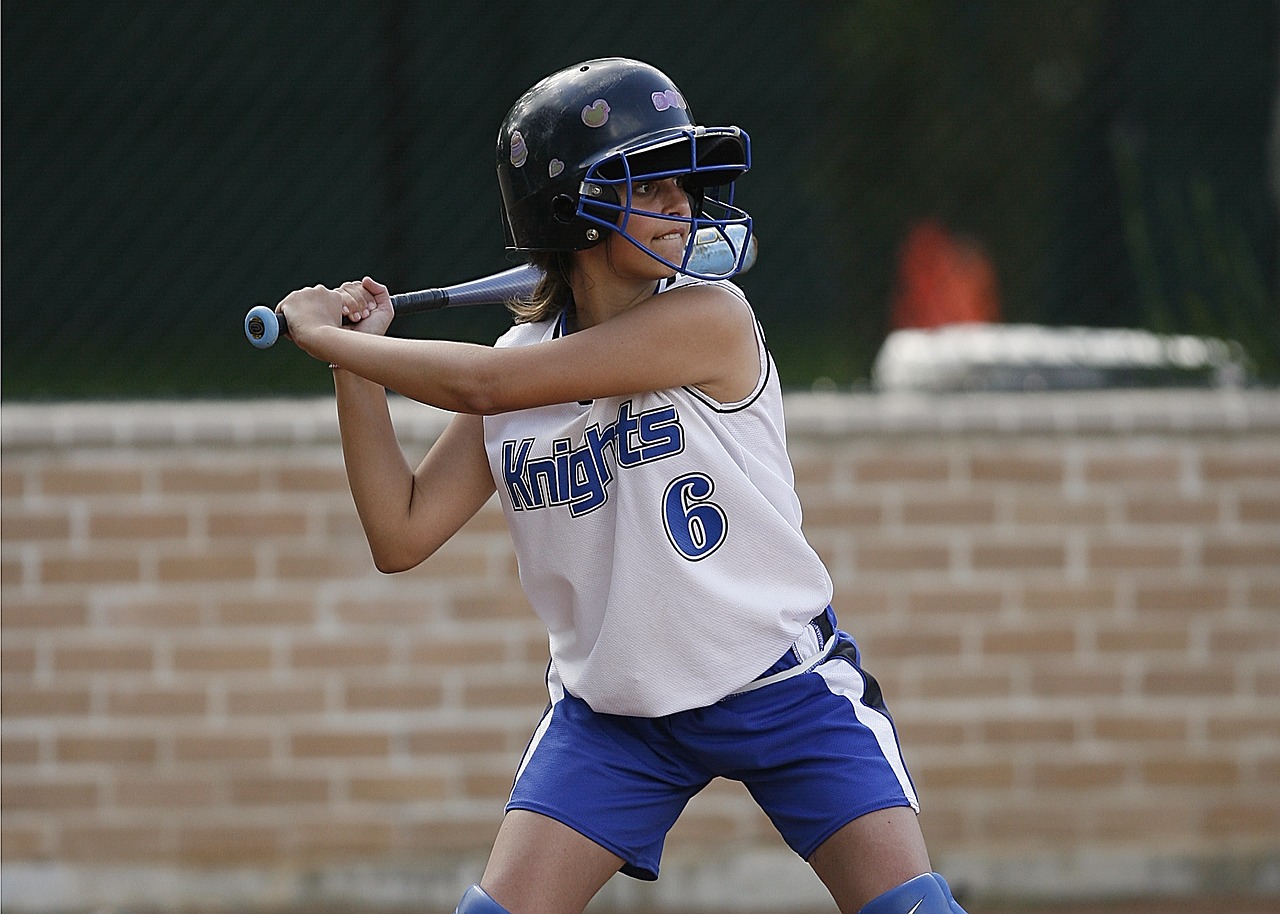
[476, 901]
[925, 894]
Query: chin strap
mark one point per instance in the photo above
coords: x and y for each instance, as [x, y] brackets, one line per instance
[476, 901]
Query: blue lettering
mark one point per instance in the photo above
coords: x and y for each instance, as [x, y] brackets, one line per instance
[580, 477]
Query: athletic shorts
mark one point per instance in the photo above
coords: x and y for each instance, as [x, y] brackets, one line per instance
[810, 738]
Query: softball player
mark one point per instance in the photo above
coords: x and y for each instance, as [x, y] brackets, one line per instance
[631, 423]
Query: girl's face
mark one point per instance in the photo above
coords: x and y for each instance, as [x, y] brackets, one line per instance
[666, 237]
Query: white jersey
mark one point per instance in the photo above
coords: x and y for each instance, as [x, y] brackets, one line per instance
[658, 537]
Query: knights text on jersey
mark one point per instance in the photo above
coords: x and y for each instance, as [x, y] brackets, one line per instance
[658, 537]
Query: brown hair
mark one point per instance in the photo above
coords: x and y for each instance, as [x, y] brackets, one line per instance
[552, 292]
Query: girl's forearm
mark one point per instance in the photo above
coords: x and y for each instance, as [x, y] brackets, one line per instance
[380, 478]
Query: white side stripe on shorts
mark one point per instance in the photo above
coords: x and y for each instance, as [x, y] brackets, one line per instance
[846, 681]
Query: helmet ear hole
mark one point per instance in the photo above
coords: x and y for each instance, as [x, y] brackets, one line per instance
[564, 208]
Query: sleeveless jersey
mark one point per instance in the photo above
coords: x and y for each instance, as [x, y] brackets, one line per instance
[657, 536]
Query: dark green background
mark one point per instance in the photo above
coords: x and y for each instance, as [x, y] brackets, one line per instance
[166, 165]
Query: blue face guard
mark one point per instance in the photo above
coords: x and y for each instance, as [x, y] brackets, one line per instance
[709, 159]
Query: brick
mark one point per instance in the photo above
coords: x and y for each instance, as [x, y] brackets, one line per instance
[211, 480]
[881, 646]
[1240, 466]
[213, 844]
[106, 481]
[900, 468]
[165, 793]
[1138, 821]
[949, 511]
[964, 774]
[13, 482]
[970, 685]
[902, 556]
[1018, 556]
[485, 785]
[348, 743]
[1223, 552]
[280, 790]
[24, 841]
[1191, 597]
[1259, 509]
[392, 696]
[441, 835]
[265, 611]
[338, 838]
[1188, 682]
[842, 512]
[24, 795]
[19, 525]
[1142, 639]
[1023, 642]
[1165, 510]
[222, 658]
[56, 701]
[16, 660]
[1139, 728]
[1031, 509]
[306, 479]
[161, 614]
[1077, 683]
[1021, 469]
[208, 567]
[324, 564]
[103, 658]
[256, 524]
[524, 692]
[1117, 555]
[1033, 821]
[1043, 730]
[339, 655]
[1235, 820]
[102, 842]
[1133, 469]
[954, 601]
[458, 740]
[106, 748]
[274, 700]
[19, 750]
[138, 525]
[221, 747]
[1190, 772]
[1077, 775]
[93, 570]
[396, 788]
[157, 702]
[1068, 598]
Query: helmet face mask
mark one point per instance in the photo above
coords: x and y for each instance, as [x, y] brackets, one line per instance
[572, 148]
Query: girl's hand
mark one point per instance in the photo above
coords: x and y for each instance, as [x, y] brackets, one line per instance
[367, 305]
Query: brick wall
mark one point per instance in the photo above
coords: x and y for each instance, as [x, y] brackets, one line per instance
[210, 697]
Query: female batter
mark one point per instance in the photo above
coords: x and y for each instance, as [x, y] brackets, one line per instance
[631, 423]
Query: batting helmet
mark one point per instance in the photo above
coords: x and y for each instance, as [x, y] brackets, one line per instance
[571, 148]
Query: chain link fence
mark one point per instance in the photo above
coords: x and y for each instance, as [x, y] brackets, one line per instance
[167, 165]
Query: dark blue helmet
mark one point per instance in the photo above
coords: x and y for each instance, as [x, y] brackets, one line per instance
[571, 148]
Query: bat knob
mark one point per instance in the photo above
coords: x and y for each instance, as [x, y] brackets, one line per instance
[261, 326]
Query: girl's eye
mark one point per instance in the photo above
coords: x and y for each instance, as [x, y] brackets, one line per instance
[642, 189]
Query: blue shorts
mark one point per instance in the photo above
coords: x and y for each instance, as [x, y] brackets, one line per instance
[811, 739]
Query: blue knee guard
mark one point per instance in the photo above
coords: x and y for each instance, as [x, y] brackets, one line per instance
[925, 894]
[476, 901]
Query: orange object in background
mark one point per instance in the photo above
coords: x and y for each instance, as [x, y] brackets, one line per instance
[942, 280]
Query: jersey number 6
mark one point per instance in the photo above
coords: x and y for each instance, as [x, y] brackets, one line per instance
[695, 525]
